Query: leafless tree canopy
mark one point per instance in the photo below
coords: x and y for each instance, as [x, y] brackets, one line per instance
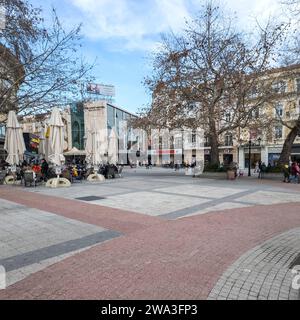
[40, 65]
[208, 75]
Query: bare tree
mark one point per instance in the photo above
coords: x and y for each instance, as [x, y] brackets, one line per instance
[41, 64]
[290, 55]
[210, 77]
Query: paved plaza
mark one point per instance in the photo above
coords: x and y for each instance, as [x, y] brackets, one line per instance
[153, 234]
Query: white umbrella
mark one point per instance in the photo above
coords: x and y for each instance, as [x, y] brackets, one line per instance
[113, 147]
[92, 147]
[75, 152]
[42, 144]
[56, 138]
[14, 141]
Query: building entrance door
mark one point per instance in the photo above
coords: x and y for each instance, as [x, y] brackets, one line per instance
[255, 157]
[227, 158]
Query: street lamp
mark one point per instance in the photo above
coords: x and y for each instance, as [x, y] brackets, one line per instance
[249, 165]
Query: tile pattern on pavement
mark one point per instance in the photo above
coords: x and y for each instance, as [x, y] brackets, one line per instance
[176, 259]
[154, 258]
[32, 239]
[172, 195]
[263, 272]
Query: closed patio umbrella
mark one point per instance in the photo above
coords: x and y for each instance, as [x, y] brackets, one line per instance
[56, 138]
[113, 147]
[14, 141]
[92, 147]
[42, 145]
[56, 148]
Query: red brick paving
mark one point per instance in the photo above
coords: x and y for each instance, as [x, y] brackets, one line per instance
[179, 259]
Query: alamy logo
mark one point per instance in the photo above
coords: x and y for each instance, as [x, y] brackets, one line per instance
[296, 279]
[2, 278]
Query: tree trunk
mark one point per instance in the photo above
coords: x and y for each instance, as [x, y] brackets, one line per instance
[214, 144]
[288, 143]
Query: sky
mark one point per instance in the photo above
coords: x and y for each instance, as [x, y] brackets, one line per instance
[122, 35]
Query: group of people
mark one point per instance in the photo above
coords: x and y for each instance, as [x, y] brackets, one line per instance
[291, 173]
[40, 169]
[260, 168]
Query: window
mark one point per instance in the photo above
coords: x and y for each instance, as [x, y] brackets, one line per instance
[227, 117]
[228, 139]
[279, 86]
[255, 113]
[206, 141]
[2, 131]
[279, 109]
[177, 142]
[193, 138]
[110, 117]
[278, 132]
[75, 133]
[298, 85]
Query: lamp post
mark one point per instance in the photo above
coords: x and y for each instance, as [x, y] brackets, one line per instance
[249, 166]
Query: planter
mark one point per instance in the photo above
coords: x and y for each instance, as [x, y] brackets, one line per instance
[231, 174]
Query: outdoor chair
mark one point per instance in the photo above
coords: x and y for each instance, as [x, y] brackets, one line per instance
[2, 176]
[111, 173]
[29, 179]
[119, 174]
[77, 178]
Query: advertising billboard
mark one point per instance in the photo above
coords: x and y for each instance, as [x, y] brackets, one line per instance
[102, 89]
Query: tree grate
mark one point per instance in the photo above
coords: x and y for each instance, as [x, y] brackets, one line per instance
[90, 198]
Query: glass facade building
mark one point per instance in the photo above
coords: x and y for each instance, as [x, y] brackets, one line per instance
[77, 125]
[114, 116]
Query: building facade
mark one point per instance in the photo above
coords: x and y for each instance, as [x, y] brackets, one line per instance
[11, 76]
[280, 110]
[78, 118]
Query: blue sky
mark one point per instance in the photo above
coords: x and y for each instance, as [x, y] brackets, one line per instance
[121, 34]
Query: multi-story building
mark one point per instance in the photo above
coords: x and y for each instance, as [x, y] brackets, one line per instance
[78, 118]
[280, 110]
[11, 76]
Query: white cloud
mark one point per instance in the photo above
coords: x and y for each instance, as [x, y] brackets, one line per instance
[136, 24]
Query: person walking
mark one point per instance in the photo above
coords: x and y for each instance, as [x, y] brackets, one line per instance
[44, 169]
[257, 164]
[295, 171]
[261, 169]
[286, 173]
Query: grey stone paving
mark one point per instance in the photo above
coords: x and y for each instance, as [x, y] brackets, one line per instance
[214, 203]
[29, 258]
[32, 239]
[263, 272]
[172, 195]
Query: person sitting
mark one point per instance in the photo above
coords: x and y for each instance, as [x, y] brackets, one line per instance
[36, 168]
